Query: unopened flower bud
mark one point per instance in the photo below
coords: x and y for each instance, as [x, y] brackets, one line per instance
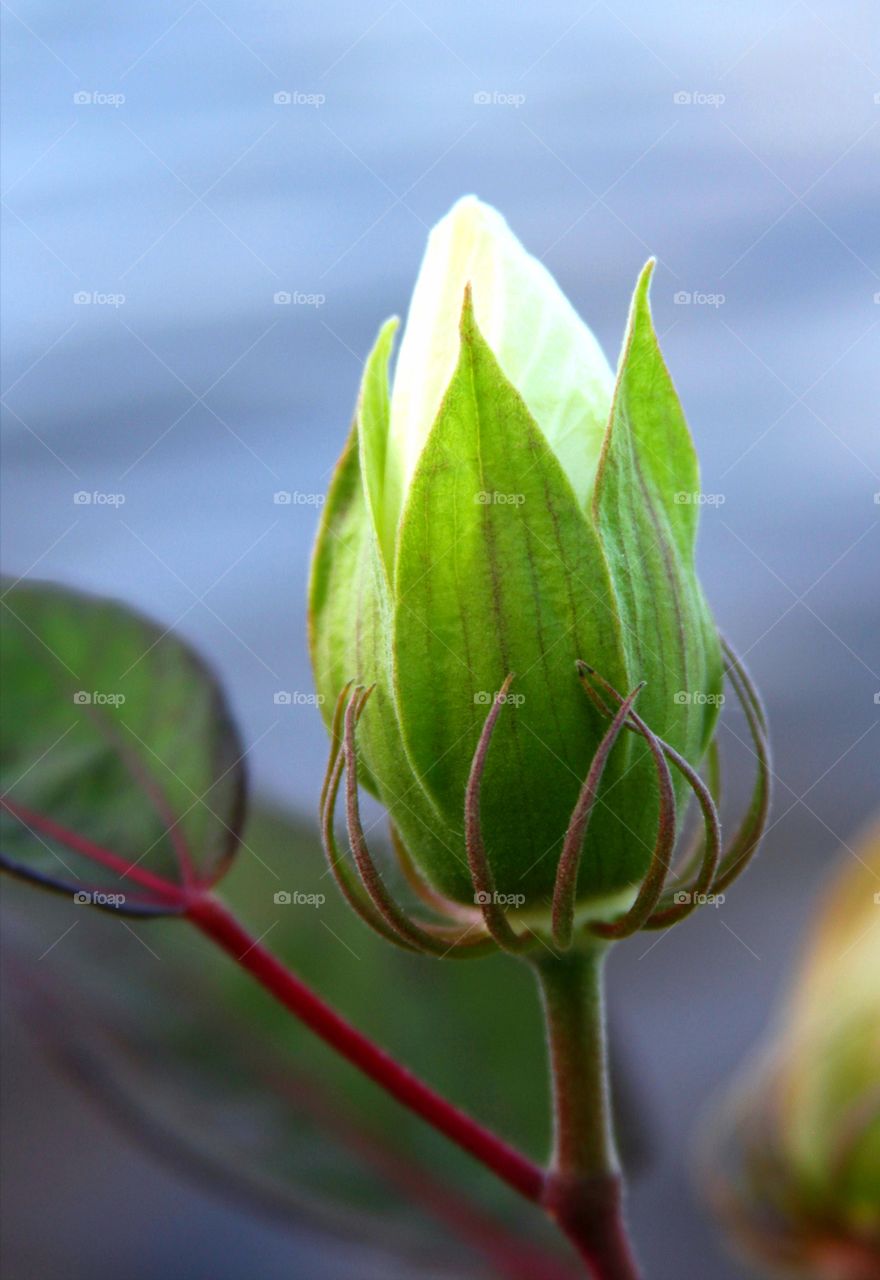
[505, 508]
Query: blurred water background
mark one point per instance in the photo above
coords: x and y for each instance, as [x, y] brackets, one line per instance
[182, 166]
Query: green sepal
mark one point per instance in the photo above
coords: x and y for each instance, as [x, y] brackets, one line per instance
[645, 506]
[350, 613]
[499, 571]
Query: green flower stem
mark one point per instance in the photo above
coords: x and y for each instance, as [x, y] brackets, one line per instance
[583, 1188]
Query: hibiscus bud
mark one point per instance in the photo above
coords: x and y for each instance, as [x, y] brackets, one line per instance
[506, 509]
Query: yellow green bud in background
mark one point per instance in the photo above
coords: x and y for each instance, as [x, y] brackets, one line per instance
[799, 1140]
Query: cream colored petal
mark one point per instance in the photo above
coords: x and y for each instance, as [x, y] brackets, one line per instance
[541, 343]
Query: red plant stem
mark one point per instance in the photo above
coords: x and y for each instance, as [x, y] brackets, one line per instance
[220, 925]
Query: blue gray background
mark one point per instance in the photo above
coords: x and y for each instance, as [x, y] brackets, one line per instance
[738, 142]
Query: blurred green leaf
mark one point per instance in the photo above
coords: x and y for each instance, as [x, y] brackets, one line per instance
[115, 738]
